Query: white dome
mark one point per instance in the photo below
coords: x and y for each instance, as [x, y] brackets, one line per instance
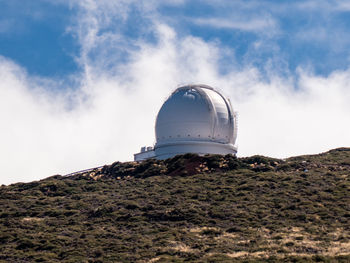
[195, 115]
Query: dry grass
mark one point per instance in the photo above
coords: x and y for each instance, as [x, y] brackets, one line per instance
[181, 247]
[32, 219]
[245, 254]
[185, 209]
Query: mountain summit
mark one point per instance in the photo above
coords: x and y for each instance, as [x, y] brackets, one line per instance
[188, 208]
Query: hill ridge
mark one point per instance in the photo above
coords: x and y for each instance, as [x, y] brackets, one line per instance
[189, 208]
[193, 163]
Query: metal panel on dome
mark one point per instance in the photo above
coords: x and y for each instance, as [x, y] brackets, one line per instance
[185, 115]
[222, 129]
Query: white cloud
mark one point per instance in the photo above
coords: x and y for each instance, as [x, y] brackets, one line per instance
[112, 113]
[338, 6]
[254, 25]
[282, 122]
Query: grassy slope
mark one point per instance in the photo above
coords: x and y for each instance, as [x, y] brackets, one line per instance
[203, 209]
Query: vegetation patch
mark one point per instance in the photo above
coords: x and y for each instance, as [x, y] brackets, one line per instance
[186, 209]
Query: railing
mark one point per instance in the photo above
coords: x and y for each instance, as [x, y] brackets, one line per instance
[83, 171]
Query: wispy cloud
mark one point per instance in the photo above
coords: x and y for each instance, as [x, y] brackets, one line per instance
[254, 25]
[342, 6]
[111, 111]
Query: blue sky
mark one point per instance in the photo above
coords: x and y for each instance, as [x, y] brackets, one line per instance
[33, 34]
[37, 34]
[82, 80]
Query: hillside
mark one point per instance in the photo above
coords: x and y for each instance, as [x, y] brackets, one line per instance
[188, 208]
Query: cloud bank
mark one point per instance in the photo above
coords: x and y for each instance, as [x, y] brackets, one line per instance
[110, 112]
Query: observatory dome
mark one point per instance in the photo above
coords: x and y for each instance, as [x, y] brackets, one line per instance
[197, 119]
[194, 119]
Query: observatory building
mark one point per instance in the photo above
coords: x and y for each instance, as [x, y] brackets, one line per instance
[194, 119]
